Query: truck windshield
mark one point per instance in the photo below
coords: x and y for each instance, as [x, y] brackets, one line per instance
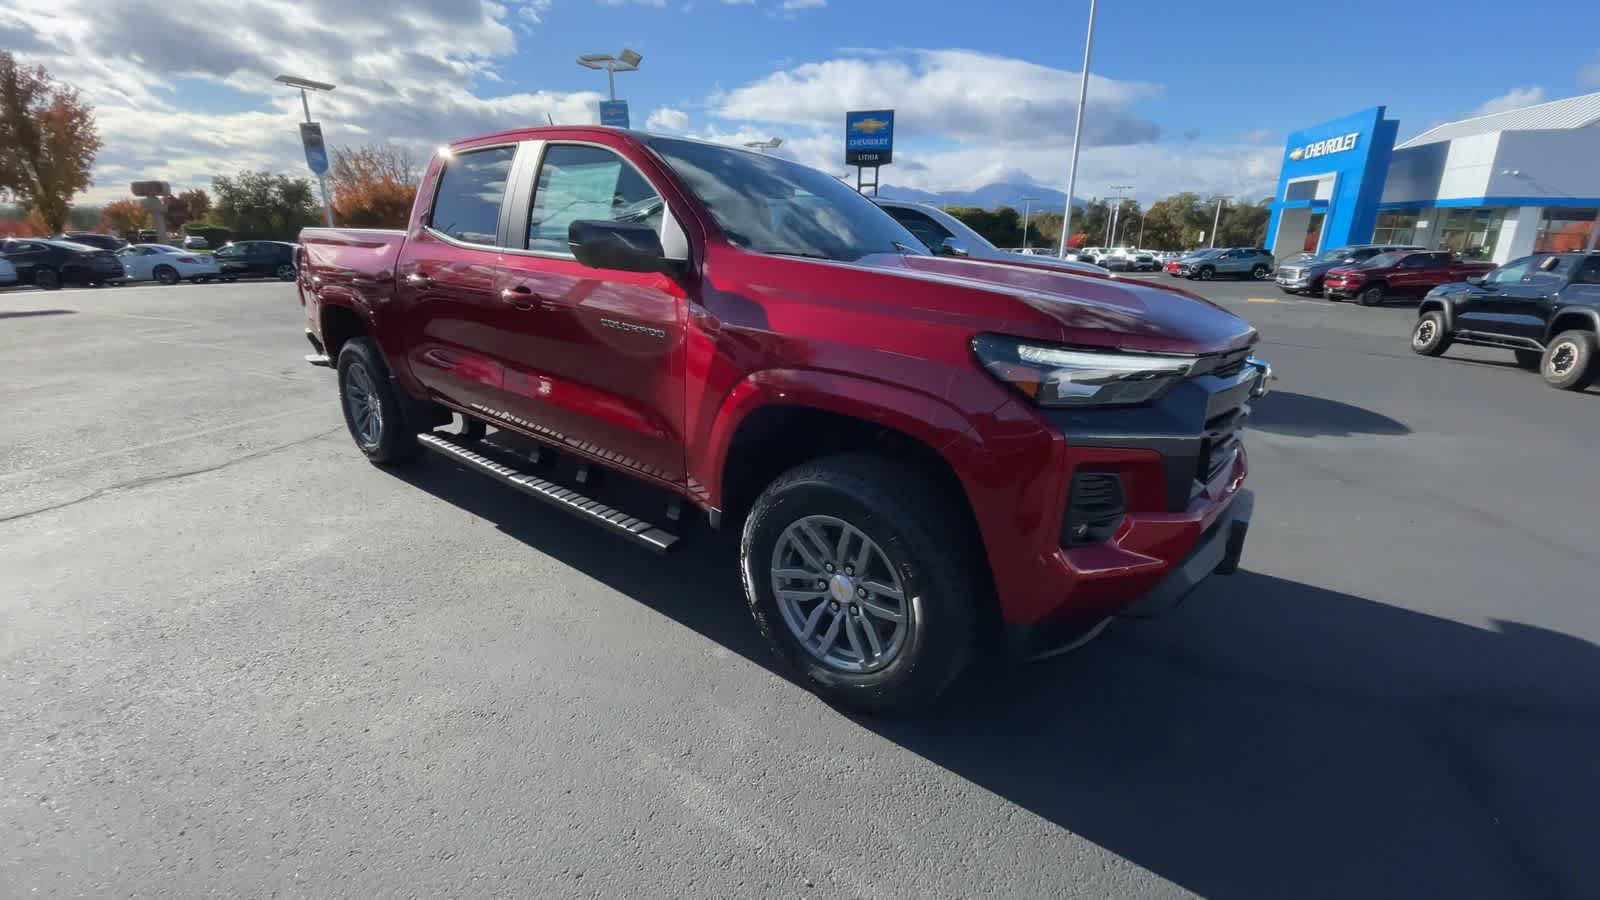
[1338, 254]
[771, 205]
[1382, 261]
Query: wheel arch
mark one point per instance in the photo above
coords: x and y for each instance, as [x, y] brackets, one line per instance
[1441, 305]
[1580, 319]
[340, 322]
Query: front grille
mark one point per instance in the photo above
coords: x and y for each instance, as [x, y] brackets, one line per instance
[1222, 365]
[1290, 274]
[1221, 443]
[1094, 509]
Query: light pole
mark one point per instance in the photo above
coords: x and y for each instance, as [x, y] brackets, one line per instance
[1143, 214]
[1217, 221]
[303, 85]
[626, 61]
[1077, 132]
[763, 146]
[1111, 227]
[1027, 207]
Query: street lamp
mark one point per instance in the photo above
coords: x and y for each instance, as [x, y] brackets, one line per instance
[626, 61]
[1027, 206]
[1111, 227]
[1217, 222]
[1077, 132]
[304, 85]
[768, 144]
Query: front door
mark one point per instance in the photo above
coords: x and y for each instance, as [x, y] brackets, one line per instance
[1529, 304]
[599, 354]
[1489, 307]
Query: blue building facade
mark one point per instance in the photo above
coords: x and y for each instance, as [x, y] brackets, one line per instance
[1331, 183]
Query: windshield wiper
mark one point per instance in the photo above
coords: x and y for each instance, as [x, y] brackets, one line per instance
[906, 248]
[801, 254]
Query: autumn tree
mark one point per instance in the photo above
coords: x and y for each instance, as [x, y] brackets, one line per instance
[124, 217]
[189, 206]
[48, 140]
[264, 206]
[373, 185]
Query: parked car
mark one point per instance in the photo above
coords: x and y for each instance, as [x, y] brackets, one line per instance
[946, 235]
[1145, 262]
[1178, 266]
[1234, 262]
[166, 264]
[195, 242]
[8, 272]
[1401, 273]
[265, 259]
[1544, 308]
[93, 239]
[909, 445]
[49, 264]
[1306, 275]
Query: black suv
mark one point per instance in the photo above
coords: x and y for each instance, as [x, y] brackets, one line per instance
[50, 264]
[1545, 308]
[268, 259]
[1305, 275]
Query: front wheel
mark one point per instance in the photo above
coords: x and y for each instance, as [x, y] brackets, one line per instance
[1372, 296]
[1430, 337]
[285, 272]
[1260, 273]
[863, 580]
[1206, 273]
[1568, 362]
[166, 275]
[372, 409]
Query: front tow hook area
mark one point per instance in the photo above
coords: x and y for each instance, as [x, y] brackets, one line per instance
[1217, 553]
[1264, 377]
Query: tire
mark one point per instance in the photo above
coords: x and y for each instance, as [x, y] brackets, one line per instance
[364, 388]
[1288, 290]
[1568, 363]
[1430, 337]
[1529, 359]
[166, 275]
[47, 279]
[285, 272]
[1260, 273]
[924, 548]
[1205, 273]
[1372, 296]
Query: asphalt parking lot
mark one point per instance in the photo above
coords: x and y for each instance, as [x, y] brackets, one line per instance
[237, 659]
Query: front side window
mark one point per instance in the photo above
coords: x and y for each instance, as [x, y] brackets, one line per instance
[1420, 261]
[1510, 273]
[1549, 270]
[1589, 272]
[579, 182]
[771, 205]
[467, 204]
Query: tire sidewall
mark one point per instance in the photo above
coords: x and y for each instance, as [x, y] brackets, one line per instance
[1206, 273]
[1581, 373]
[1259, 273]
[167, 275]
[1372, 296]
[931, 630]
[395, 440]
[1434, 346]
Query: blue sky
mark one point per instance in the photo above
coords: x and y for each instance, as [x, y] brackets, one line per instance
[1184, 96]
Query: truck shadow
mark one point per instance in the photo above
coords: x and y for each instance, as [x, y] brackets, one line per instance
[1268, 739]
[1302, 415]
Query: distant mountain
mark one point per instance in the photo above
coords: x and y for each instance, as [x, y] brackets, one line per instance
[987, 197]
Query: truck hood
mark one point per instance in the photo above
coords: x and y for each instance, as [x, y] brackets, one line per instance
[1085, 310]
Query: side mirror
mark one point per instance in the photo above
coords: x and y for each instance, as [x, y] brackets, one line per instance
[1475, 280]
[952, 247]
[624, 246]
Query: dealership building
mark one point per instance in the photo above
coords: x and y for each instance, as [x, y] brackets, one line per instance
[1492, 187]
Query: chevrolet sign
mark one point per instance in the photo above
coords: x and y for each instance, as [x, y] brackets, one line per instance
[1325, 147]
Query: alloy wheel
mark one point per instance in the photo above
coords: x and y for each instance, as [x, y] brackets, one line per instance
[1563, 359]
[1425, 332]
[361, 401]
[840, 595]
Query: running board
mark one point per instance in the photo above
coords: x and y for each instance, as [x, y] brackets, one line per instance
[617, 522]
[1503, 341]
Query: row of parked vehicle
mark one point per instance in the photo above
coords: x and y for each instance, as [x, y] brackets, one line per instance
[50, 263]
[1373, 273]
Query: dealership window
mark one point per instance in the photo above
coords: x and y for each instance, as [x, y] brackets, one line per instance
[1564, 230]
[1395, 227]
[1471, 233]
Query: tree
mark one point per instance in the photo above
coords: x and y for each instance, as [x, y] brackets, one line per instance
[1244, 224]
[264, 206]
[1001, 226]
[124, 217]
[373, 185]
[189, 206]
[48, 140]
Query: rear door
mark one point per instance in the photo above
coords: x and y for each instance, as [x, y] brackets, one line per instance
[451, 326]
[1530, 305]
[595, 356]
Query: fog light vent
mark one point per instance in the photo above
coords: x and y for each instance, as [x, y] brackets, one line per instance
[1094, 509]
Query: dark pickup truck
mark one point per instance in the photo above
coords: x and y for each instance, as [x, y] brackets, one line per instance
[1544, 308]
[923, 455]
[1403, 273]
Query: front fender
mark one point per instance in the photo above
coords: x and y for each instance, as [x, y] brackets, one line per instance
[1443, 303]
[1564, 316]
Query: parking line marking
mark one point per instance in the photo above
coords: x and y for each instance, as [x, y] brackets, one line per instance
[1261, 299]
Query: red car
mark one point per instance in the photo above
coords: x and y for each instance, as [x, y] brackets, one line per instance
[1403, 273]
[921, 454]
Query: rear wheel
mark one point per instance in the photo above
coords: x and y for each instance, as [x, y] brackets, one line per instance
[1529, 359]
[1372, 296]
[47, 279]
[166, 274]
[372, 407]
[285, 272]
[1260, 273]
[863, 580]
[1430, 337]
[1568, 362]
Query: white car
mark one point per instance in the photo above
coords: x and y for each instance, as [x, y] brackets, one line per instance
[166, 264]
[8, 272]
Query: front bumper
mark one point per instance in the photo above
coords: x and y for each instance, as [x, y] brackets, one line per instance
[1340, 291]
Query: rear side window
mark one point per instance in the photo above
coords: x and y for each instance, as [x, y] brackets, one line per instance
[1590, 273]
[578, 182]
[467, 204]
[926, 229]
[1550, 270]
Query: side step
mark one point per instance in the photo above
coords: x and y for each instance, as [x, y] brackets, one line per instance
[620, 523]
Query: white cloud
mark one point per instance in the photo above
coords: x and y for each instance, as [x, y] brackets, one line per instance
[667, 121]
[959, 94]
[1589, 74]
[1512, 99]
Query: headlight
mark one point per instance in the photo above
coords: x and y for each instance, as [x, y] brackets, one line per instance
[1061, 376]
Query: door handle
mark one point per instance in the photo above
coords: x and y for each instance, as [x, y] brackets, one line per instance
[521, 296]
[418, 280]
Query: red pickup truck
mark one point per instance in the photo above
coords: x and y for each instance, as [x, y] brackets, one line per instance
[1401, 273]
[926, 457]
